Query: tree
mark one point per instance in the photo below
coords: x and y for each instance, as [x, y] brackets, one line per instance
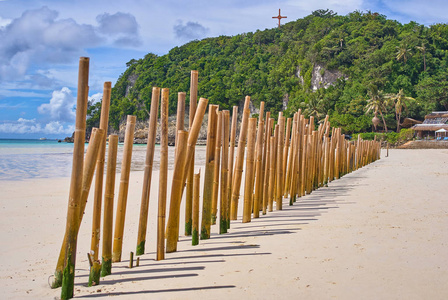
[434, 89]
[376, 103]
[422, 49]
[403, 52]
[315, 105]
[400, 101]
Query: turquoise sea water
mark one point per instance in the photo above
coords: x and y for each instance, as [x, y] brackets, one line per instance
[26, 159]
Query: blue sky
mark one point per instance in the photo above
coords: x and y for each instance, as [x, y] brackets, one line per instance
[41, 42]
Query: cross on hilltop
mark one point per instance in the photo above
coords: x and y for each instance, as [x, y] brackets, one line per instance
[279, 17]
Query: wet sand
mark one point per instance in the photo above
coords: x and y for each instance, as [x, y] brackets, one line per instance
[377, 233]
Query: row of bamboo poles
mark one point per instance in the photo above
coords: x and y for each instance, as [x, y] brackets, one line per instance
[287, 158]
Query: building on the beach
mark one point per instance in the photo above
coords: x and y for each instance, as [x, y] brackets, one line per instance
[409, 122]
[433, 122]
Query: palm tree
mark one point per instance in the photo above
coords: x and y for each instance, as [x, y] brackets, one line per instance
[403, 52]
[315, 105]
[376, 103]
[422, 48]
[400, 101]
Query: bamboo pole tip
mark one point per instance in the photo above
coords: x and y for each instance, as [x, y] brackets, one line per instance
[84, 59]
[107, 85]
[182, 94]
[131, 118]
[194, 72]
[155, 89]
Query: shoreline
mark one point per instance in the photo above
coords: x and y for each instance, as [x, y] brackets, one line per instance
[376, 233]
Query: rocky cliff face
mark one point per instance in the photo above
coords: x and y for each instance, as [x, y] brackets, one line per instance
[321, 78]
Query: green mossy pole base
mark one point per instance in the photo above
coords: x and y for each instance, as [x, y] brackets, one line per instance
[213, 219]
[205, 235]
[290, 201]
[223, 226]
[188, 227]
[195, 238]
[140, 248]
[57, 282]
[106, 267]
[68, 280]
[95, 272]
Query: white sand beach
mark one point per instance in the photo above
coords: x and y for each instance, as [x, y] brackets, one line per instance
[377, 233]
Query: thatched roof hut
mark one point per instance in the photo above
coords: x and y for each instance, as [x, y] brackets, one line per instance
[433, 122]
[409, 122]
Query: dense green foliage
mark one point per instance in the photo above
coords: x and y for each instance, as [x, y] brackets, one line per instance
[392, 138]
[372, 52]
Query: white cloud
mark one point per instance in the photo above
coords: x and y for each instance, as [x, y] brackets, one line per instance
[58, 128]
[189, 31]
[60, 107]
[4, 22]
[31, 126]
[95, 98]
[38, 37]
[117, 23]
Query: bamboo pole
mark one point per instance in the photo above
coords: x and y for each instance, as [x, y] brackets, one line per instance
[87, 177]
[96, 223]
[285, 153]
[106, 266]
[65, 271]
[189, 193]
[163, 175]
[224, 203]
[248, 186]
[337, 154]
[326, 159]
[316, 157]
[209, 172]
[180, 117]
[290, 161]
[304, 163]
[295, 158]
[259, 164]
[301, 156]
[216, 169]
[172, 232]
[331, 171]
[131, 260]
[89, 167]
[97, 203]
[236, 185]
[231, 159]
[123, 189]
[193, 135]
[280, 146]
[267, 174]
[265, 164]
[150, 147]
[195, 223]
[271, 172]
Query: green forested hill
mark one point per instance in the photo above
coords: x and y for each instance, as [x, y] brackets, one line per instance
[377, 56]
